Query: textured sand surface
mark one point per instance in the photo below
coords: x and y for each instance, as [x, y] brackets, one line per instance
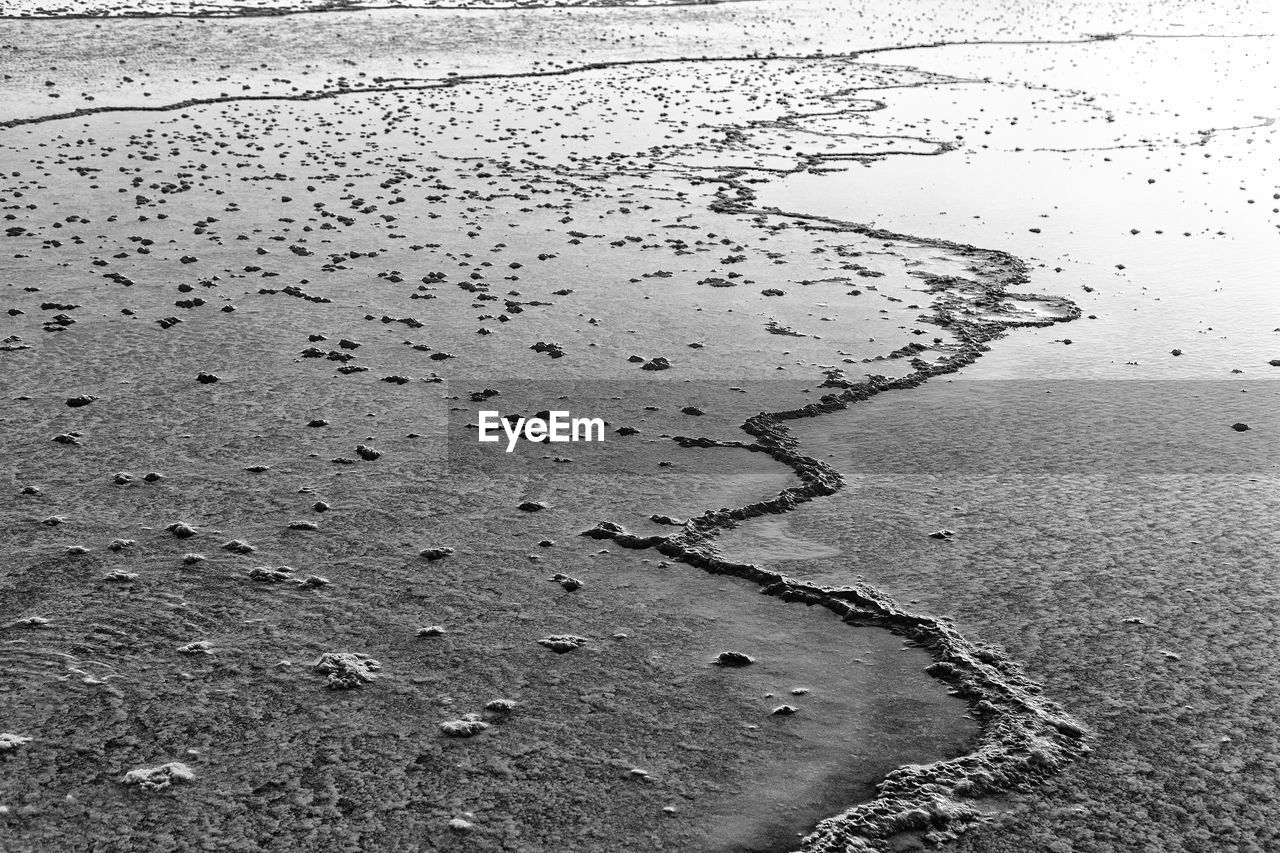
[261, 589]
[1122, 541]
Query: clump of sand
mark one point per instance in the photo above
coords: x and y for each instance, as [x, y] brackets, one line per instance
[159, 777]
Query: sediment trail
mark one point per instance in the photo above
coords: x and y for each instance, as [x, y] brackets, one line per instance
[1023, 736]
[461, 80]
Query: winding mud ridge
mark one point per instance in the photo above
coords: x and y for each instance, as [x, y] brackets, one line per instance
[467, 79]
[1024, 736]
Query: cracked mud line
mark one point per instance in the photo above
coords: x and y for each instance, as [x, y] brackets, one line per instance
[1024, 736]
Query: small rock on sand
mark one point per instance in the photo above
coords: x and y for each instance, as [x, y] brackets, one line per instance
[468, 726]
[569, 584]
[160, 777]
[9, 742]
[346, 670]
[561, 643]
[734, 659]
[266, 574]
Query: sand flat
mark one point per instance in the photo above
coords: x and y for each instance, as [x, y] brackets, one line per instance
[261, 587]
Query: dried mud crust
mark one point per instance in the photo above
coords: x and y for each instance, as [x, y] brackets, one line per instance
[1024, 736]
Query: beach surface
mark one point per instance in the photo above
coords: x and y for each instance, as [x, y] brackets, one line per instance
[936, 359]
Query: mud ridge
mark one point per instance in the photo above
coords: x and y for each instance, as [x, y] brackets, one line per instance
[1023, 737]
[450, 82]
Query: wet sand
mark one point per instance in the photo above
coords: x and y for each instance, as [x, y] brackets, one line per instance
[1120, 543]
[262, 586]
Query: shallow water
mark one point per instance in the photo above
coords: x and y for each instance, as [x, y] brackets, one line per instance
[1174, 149]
